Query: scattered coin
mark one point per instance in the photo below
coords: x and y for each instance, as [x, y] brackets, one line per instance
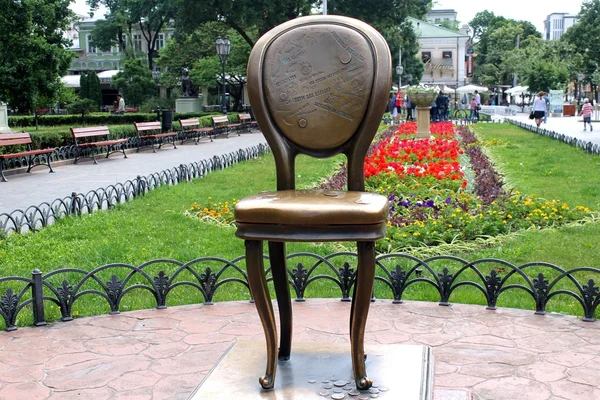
[383, 389]
[325, 381]
[328, 386]
[324, 394]
[374, 390]
[374, 396]
[339, 383]
[311, 381]
[375, 385]
[354, 393]
[336, 390]
[337, 396]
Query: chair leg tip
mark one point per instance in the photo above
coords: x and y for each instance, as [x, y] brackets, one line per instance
[267, 382]
[364, 383]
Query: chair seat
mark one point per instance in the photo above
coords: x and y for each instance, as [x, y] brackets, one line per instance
[312, 208]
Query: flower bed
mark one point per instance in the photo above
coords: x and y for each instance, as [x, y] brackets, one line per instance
[441, 190]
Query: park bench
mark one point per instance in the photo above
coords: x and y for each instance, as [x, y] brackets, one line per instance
[246, 122]
[32, 156]
[152, 131]
[86, 138]
[191, 128]
[222, 126]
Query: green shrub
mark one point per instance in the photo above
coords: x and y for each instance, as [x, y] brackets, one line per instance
[94, 119]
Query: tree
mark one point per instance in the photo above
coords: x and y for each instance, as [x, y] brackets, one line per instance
[243, 16]
[33, 52]
[150, 16]
[135, 82]
[84, 87]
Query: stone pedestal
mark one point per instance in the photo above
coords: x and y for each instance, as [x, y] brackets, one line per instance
[423, 122]
[188, 104]
[318, 371]
[4, 119]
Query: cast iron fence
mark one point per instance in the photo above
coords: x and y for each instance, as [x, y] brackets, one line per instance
[397, 274]
[36, 217]
[585, 145]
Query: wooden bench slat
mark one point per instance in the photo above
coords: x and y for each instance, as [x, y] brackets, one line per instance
[26, 153]
[13, 142]
[101, 132]
[89, 129]
[90, 134]
[19, 135]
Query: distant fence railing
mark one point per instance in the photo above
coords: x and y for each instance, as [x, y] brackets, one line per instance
[585, 145]
[397, 275]
[36, 217]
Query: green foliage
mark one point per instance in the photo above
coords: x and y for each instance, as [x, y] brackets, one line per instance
[546, 75]
[151, 103]
[583, 41]
[89, 88]
[452, 25]
[94, 119]
[82, 106]
[33, 52]
[84, 86]
[135, 82]
[497, 58]
[150, 16]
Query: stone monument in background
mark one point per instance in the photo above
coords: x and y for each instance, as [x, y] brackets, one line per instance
[189, 100]
[4, 118]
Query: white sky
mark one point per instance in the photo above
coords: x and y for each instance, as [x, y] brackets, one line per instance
[529, 10]
[534, 11]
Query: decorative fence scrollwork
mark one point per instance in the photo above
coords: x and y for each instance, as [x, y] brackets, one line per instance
[440, 278]
[36, 217]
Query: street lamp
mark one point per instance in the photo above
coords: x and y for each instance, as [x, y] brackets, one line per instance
[399, 69]
[223, 49]
[156, 77]
[579, 79]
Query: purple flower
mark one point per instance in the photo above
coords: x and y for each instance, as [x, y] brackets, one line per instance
[448, 200]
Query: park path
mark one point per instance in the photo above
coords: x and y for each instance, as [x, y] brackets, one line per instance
[24, 190]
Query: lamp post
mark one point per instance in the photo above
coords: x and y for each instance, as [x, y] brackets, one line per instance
[579, 79]
[156, 77]
[399, 69]
[223, 49]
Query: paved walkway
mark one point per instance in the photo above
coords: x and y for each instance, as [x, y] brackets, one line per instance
[24, 190]
[163, 354]
[570, 126]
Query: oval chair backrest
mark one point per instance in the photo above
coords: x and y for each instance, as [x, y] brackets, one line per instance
[319, 86]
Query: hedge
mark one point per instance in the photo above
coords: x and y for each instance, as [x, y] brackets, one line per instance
[56, 136]
[94, 119]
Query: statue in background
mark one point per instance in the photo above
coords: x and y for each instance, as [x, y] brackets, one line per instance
[188, 89]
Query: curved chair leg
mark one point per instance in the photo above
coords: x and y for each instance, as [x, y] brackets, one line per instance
[284, 300]
[262, 300]
[360, 310]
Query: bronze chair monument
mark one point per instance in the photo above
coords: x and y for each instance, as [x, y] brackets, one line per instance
[318, 86]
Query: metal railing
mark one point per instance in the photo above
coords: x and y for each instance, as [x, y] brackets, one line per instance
[442, 276]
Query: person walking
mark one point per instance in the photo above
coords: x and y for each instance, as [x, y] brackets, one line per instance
[539, 108]
[478, 101]
[586, 111]
[120, 105]
[547, 111]
[473, 108]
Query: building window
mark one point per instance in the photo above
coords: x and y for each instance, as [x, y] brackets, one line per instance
[91, 46]
[425, 56]
[137, 42]
[447, 58]
[160, 41]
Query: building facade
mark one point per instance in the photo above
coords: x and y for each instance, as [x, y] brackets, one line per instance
[556, 24]
[438, 16]
[443, 52]
[91, 58]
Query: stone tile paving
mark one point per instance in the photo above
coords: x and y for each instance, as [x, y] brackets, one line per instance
[164, 354]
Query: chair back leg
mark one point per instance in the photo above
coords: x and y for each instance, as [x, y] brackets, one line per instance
[284, 300]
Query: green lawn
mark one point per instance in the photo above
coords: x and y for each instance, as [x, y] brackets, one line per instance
[156, 226]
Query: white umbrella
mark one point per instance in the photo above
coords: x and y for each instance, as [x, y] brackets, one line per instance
[447, 90]
[517, 90]
[471, 89]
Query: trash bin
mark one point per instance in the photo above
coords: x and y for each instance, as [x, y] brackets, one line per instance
[167, 119]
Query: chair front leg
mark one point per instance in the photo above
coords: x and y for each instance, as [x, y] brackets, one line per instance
[262, 300]
[284, 300]
[360, 310]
